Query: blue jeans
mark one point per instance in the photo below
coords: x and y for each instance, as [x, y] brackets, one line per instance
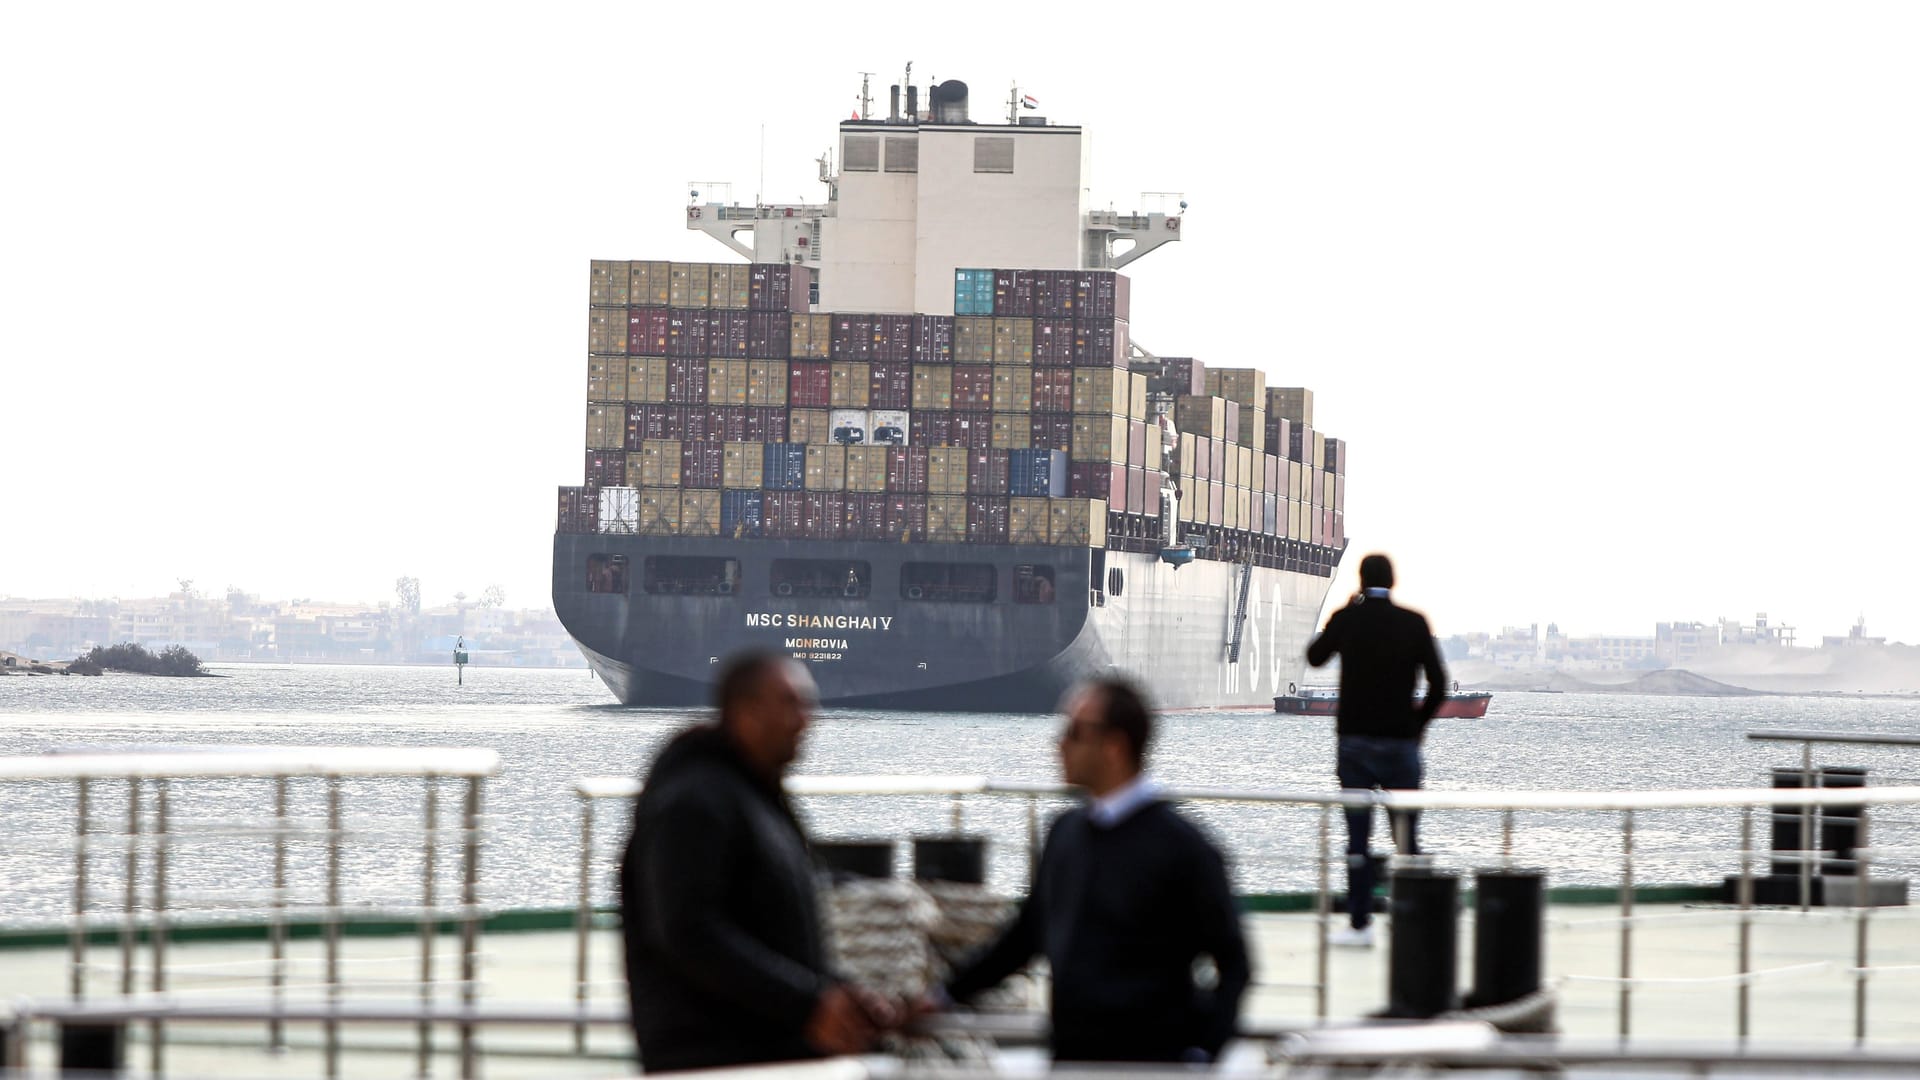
[1367, 761]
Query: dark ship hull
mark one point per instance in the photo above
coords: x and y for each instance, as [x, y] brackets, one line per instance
[881, 648]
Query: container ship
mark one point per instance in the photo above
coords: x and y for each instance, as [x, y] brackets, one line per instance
[909, 436]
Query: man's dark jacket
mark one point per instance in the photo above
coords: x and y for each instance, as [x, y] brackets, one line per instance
[1121, 914]
[1381, 646]
[724, 953]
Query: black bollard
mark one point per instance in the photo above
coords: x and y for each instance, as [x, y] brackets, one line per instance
[93, 1047]
[1842, 828]
[1785, 833]
[961, 859]
[842, 859]
[1509, 935]
[1423, 965]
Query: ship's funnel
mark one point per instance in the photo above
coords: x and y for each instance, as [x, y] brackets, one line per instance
[948, 101]
[913, 103]
[893, 103]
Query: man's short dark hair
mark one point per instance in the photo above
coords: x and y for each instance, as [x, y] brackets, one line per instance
[1376, 572]
[1124, 709]
[740, 678]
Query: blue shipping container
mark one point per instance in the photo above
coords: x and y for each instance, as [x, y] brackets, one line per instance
[1038, 474]
[972, 292]
[740, 514]
[784, 466]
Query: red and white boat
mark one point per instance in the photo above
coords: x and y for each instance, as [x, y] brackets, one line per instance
[1321, 701]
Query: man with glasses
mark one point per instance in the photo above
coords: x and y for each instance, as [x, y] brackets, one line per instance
[1130, 906]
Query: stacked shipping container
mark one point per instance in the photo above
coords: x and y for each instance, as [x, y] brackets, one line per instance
[711, 386]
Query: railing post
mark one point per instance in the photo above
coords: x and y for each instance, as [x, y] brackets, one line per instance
[156, 1050]
[1506, 836]
[277, 915]
[583, 923]
[1033, 841]
[131, 896]
[470, 929]
[1808, 834]
[958, 814]
[1743, 1017]
[331, 1027]
[1863, 897]
[1323, 911]
[77, 937]
[1626, 924]
[429, 919]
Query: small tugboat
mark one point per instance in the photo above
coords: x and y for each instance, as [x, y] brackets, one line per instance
[1325, 701]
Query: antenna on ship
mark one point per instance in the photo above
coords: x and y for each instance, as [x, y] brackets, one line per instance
[1013, 105]
[866, 98]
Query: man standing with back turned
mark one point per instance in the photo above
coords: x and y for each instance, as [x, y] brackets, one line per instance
[1127, 901]
[1381, 646]
[725, 958]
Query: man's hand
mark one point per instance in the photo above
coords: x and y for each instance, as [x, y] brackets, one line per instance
[841, 1022]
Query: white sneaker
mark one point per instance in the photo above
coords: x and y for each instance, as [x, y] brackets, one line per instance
[1347, 937]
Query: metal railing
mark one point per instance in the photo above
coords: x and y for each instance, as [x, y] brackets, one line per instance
[158, 837]
[1504, 850]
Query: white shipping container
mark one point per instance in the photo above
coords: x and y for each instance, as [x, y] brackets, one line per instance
[619, 510]
[849, 426]
[890, 428]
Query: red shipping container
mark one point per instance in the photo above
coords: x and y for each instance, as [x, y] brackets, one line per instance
[1099, 343]
[1054, 430]
[1216, 503]
[689, 422]
[1052, 390]
[852, 337]
[1137, 443]
[810, 384]
[701, 464]
[972, 387]
[606, 468]
[907, 517]
[730, 333]
[1053, 342]
[1150, 505]
[783, 514]
[1053, 294]
[687, 381]
[932, 343]
[1013, 292]
[688, 330]
[973, 429]
[647, 331]
[1137, 490]
[727, 423]
[822, 515]
[864, 516]
[1182, 376]
[987, 472]
[890, 385]
[646, 422]
[907, 470]
[778, 288]
[893, 338]
[931, 427]
[769, 335]
[766, 423]
[1102, 294]
[987, 519]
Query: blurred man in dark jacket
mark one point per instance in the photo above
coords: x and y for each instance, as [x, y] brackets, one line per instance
[1382, 648]
[1130, 900]
[725, 959]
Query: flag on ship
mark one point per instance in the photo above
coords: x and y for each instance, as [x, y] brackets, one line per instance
[1030, 101]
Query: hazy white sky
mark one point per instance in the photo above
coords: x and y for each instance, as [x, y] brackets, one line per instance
[1616, 302]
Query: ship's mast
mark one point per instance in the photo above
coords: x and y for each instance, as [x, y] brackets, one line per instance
[866, 98]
